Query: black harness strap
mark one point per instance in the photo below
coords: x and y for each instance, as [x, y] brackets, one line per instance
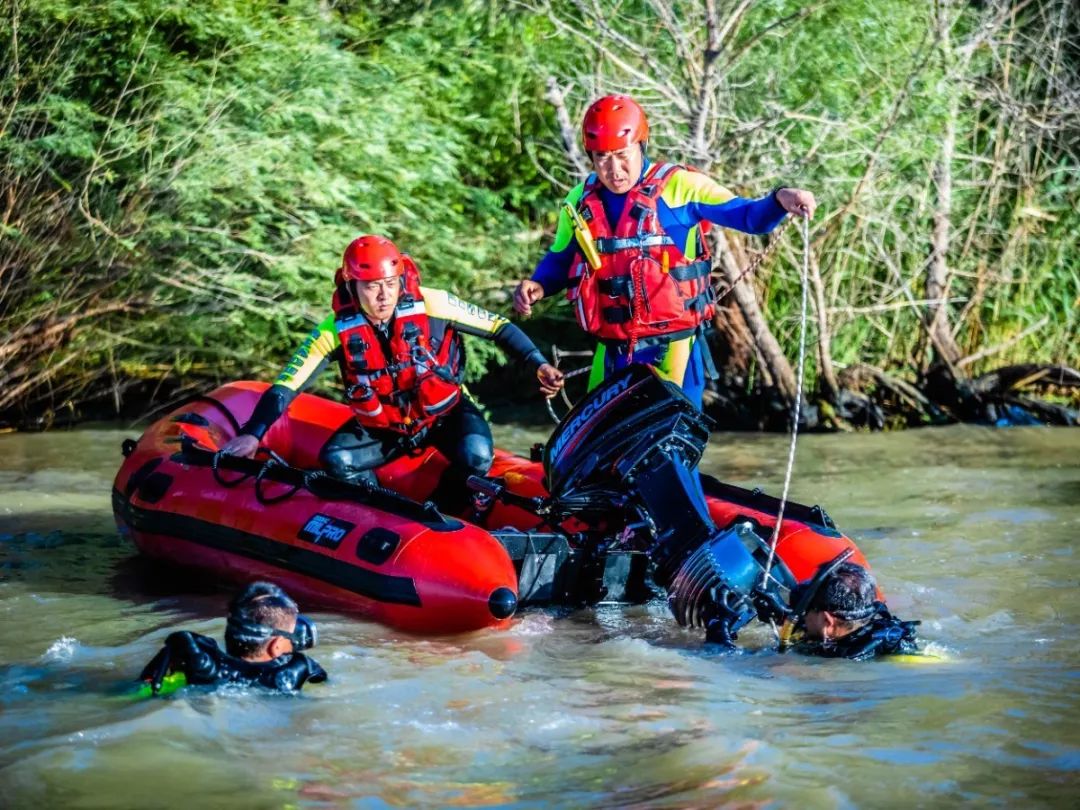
[615, 244]
[622, 346]
[700, 302]
[689, 272]
[616, 314]
[616, 286]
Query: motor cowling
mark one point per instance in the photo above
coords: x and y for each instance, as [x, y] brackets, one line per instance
[640, 435]
[619, 422]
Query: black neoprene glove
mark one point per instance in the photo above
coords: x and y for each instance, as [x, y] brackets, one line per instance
[770, 606]
[181, 653]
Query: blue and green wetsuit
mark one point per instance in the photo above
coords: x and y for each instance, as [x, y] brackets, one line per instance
[688, 199]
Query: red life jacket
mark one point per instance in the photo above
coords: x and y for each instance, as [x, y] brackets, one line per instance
[645, 285]
[408, 391]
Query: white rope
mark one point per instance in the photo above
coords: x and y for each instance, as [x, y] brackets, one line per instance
[798, 398]
[567, 376]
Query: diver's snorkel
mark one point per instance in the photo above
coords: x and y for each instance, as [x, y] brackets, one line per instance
[803, 594]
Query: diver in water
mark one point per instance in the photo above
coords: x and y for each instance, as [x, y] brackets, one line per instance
[840, 616]
[263, 641]
[835, 614]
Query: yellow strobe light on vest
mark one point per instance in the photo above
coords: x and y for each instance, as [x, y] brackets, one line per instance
[584, 237]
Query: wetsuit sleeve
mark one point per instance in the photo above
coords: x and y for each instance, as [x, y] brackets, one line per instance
[554, 268]
[307, 361]
[299, 670]
[470, 319]
[693, 197]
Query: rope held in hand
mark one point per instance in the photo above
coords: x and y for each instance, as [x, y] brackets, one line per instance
[797, 407]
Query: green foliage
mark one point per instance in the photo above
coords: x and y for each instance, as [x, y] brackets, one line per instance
[214, 159]
[179, 180]
[865, 94]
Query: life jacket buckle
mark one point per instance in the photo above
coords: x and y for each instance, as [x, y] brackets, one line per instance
[359, 392]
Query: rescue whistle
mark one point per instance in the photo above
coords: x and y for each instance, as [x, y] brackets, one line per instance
[584, 237]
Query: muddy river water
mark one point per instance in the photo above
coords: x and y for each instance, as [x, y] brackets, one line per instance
[972, 530]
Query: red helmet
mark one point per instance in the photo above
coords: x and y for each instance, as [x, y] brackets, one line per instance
[614, 122]
[370, 258]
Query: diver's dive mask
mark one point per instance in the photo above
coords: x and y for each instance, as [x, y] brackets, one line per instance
[879, 632]
[802, 595]
[303, 637]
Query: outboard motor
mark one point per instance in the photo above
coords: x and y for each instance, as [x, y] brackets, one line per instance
[640, 436]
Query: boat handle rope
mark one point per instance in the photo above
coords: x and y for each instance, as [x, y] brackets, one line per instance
[569, 375]
[318, 482]
[222, 407]
[274, 461]
[215, 463]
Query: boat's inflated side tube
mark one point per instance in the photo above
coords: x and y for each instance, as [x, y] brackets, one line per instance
[203, 662]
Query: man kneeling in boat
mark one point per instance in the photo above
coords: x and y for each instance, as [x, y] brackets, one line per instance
[402, 360]
[839, 615]
[263, 641]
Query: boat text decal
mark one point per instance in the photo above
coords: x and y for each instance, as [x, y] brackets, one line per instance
[587, 412]
[325, 531]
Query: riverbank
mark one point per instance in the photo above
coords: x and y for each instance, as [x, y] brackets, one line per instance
[180, 182]
[508, 394]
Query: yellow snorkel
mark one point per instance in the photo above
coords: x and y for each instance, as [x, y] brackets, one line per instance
[787, 630]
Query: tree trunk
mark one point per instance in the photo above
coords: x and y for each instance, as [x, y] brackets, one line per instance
[735, 353]
[829, 387]
[556, 97]
[937, 271]
[772, 357]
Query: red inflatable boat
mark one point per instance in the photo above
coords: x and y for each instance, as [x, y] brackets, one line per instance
[387, 554]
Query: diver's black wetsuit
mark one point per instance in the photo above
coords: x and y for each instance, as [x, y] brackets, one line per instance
[204, 663]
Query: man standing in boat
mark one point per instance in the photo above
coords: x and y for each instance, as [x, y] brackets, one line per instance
[630, 251]
[401, 356]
